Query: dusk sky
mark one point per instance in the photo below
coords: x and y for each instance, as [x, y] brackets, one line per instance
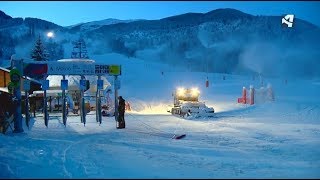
[69, 13]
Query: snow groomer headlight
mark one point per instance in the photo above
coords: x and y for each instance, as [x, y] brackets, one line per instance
[195, 92]
[181, 92]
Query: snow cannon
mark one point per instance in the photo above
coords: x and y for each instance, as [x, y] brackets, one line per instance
[186, 103]
[257, 96]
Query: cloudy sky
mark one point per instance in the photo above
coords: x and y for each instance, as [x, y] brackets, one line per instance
[66, 13]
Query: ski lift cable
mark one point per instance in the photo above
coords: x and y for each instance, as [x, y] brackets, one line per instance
[147, 125]
[160, 133]
[150, 133]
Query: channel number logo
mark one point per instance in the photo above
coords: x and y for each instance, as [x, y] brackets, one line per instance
[288, 20]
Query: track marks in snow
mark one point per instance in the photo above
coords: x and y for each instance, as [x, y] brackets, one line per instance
[6, 171]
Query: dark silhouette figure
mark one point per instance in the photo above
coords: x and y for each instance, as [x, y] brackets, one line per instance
[121, 110]
[6, 111]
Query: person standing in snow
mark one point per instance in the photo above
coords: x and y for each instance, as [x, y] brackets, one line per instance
[121, 110]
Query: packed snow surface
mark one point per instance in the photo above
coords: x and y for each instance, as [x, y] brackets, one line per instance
[279, 139]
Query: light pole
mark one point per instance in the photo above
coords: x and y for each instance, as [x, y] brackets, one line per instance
[50, 35]
[15, 75]
[50, 47]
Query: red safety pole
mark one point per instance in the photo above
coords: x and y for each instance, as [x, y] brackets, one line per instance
[244, 95]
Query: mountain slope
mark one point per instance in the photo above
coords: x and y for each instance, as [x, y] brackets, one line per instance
[96, 24]
[222, 40]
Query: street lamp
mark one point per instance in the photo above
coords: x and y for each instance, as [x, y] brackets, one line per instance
[50, 34]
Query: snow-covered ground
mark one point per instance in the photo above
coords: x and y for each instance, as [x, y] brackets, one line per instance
[278, 139]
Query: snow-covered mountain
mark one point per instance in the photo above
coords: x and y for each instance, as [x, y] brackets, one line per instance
[222, 40]
[7, 21]
[97, 24]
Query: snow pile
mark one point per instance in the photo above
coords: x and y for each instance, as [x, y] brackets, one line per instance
[264, 94]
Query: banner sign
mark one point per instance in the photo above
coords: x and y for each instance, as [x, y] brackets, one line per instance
[114, 70]
[33, 70]
[70, 68]
[76, 68]
[101, 69]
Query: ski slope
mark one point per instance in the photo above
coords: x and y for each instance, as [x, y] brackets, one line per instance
[272, 140]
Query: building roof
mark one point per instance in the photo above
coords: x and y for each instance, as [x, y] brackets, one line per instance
[31, 79]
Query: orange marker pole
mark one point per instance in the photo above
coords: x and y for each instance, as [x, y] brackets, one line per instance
[244, 95]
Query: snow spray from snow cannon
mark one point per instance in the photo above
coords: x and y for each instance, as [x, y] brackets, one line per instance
[264, 94]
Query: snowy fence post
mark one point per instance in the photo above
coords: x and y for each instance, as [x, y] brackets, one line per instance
[26, 87]
[97, 103]
[116, 99]
[98, 99]
[45, 108]
[251, 95]
[82, 102]
[64, 87]
[50, 104]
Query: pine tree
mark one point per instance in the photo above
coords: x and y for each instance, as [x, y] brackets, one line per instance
[39, 52]
[51, 48]
[61, 52]
[55, 51]
[79, 50]
[1, 54]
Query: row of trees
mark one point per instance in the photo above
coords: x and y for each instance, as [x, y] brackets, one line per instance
[54, 51]
[50, 51]
[7, 47]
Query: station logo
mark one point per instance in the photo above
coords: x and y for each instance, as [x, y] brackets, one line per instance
[287, 20]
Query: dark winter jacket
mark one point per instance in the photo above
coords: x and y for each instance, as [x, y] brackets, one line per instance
[122, 105]
[8, 103]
